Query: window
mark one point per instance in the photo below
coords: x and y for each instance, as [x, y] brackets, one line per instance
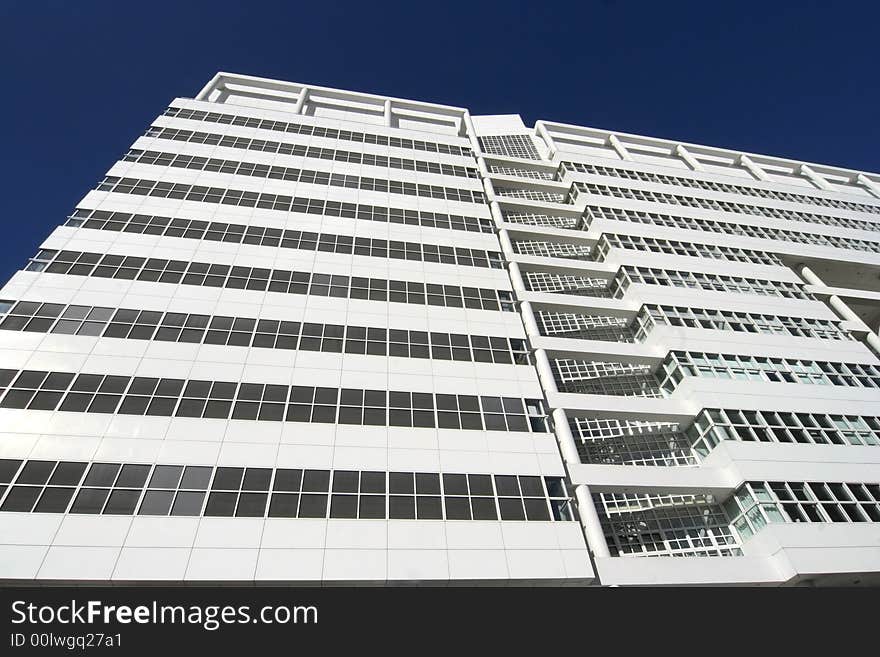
[256, 492]
[250, 199]
[520, 146]
[530, 194]
[553, 249]
[521, 173]
[714, 425]
[329, 133]
[679, 364]
[76, 263]
[632, 442]
[533, 219]
[665, 525]
[725, 320]
[757, 504]
[627, 275]
[288, 239]
[600, 378]
[723, 206]
[585, 327]
[99, 393]
[609, 241]
[539, 281]
[593, 212]
[314, 152]
[566, 167]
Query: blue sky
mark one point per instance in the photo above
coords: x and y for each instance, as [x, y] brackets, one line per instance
[83, 79]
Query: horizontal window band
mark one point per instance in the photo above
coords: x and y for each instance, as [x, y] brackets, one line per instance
[744, 190]
[78, 487]
[543, 281]
[629, 274]
[608, 241]
[594, 212]
[311, 152]
[224, 400]
[284, 203]
[159, 270]
[722, 206]
[135, 324]
[729, 320]
[317, 131]
[681, 364]
[756, 504]
[216, 231]
[290, 174]
[714, 425]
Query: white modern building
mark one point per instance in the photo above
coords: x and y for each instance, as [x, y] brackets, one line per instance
[312, 336]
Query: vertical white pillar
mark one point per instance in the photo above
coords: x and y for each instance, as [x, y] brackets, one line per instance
[301, 101]
[591, 523]
[752, 168]
[516, 278]
[814, 177]
[506, 245]
[586, 507]
[483, 167]
[689, 159]
[873, 341]
[541, 129]
[545, 374]
[497, 215]
[471, 131]
[618, 146]
[488, 187]
[387, 112]
[529, 321]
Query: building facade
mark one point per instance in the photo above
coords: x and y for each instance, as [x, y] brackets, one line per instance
[305, 335]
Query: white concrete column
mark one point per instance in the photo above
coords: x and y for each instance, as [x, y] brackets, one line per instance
[567, 443]
[752, 168]
[618, 146]
[586, 507]
[545, 374]
[541, 129]
[488, 187]
[215, 83]
[483, 167]
[497, 215]
[471, 131]
[506, 245]
[809, 276]
[814, 177]
[529, 320]
[873, 341]
[841, 309]
[301, 101]
[516, 279]
[387, 112]
[689, 159]
[873, 187]
[591, 523]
